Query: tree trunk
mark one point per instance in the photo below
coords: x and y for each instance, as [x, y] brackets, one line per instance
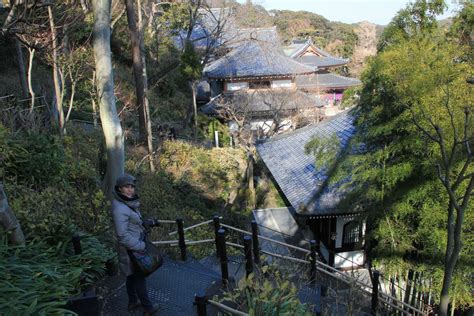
[250, 182]
[146, 103]
[21, 68]
[105, 88]
[57, 82]
[137, 67]
[194, 92]
[30, 85]
[8, 220]
[140, 82]
[452, 256]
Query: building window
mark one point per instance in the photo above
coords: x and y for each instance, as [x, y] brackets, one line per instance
[352, 233]
[234, 86]
[264, 84]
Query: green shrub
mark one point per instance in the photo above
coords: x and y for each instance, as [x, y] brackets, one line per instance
[266, 293]
[37, 279]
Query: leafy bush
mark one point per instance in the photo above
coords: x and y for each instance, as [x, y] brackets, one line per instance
[38, 279]
[53, 186]
[266, 293]
[192, 180]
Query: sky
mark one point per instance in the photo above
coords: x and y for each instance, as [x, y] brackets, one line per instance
[348, 11]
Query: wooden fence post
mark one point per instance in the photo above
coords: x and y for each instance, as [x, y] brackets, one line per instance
[223, 255]
[312, 260]
[217, 226]
[248, 254]
[181, 241]
[200, 300]
[256, 245]
[375, 291]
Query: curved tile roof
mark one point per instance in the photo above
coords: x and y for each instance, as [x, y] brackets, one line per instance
[325, 81]
[254, 58]
[321, 59]
[321, 62]
[303, 184]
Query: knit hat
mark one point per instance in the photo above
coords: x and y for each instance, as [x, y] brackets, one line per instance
[124, 180]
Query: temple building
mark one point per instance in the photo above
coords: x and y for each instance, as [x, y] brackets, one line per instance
[255, 78]
[256, 64]
[314, 202]
[328, 86]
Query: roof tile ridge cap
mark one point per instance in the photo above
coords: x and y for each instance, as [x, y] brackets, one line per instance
[300, 50]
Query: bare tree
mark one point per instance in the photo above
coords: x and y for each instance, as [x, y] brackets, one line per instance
[105, 89]
[260, 114]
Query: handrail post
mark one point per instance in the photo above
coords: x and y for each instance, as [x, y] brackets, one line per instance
[312, 277]
[318, 250]
[375, 291]
[256, 246]
[217, 226]
[200, 300]
[181, 241]
[248, 254]
[223, 255]
[76, 242]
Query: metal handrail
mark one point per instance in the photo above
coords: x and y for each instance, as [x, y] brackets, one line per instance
[321, 266]
[267, 239]
[284, 257]
[227, 308]
[191, 227]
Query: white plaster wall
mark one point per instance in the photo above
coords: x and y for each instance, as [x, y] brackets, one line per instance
[282, 84]
[234, 86]
[349, 259]
[266, 124]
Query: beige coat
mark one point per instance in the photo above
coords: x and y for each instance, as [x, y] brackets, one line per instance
[129, 231]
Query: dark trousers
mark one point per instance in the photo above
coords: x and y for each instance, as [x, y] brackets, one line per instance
[136, 290]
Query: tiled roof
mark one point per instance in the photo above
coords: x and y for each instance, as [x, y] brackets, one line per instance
[254, 58]
[305, 186]
[325, 81]
[263, 101]
[321, 62]
[324, 59]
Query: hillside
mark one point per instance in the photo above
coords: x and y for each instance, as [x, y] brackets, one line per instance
[354, 41]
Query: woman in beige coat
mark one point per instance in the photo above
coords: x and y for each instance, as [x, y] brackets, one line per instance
[130, 233]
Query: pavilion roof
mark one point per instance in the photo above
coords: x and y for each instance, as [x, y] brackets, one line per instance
[325, 81]
[255, 59]
[304, 185]
[320, 58]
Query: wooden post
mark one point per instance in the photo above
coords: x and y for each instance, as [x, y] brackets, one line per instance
[223, 255]
[406, 300]
[181, 241]
[248, 254]
[256, 245]
[200, 300]
[312, 260]
[375, 291]
[217, 226]
[318, 251]
[76, 242]
[216, 138]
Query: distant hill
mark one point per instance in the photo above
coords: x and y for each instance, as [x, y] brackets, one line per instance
[353, 41]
